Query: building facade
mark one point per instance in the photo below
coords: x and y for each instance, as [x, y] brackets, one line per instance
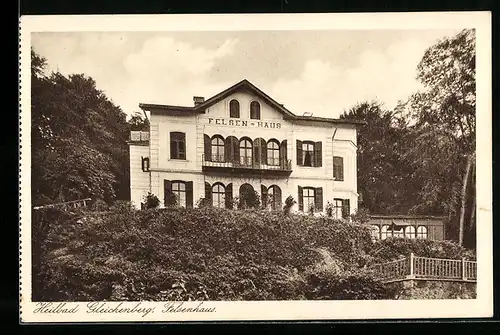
[242, 141]
[407, 226]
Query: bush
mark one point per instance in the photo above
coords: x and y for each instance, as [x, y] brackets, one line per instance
[394, 248]
[99, 206]
[199, 254]
[151, 201]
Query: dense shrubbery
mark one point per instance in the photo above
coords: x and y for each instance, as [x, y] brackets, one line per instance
[202, 254]
[394, 248]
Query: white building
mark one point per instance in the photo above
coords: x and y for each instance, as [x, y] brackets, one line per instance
[242, 139]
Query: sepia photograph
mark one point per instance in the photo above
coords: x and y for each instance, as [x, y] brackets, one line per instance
[190, 167]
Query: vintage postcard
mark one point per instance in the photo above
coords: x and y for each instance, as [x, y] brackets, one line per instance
[255, 167]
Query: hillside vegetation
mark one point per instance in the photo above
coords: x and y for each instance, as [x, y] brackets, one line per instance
[209, 254]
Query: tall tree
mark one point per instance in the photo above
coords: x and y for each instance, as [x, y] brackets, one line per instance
[78, 139]
[382, 175]
[445, 117]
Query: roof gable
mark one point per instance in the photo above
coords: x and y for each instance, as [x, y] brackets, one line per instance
[244, 84]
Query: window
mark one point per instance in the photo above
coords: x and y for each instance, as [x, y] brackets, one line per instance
[308, 199]
[338, 168]
[309, 153]
[375, 233]
[384, 233]
[398, 232]
[245, 152]
[255, 110]
[145, 163]
[274, 197]
[179, 190]
[218, 196]
[234, 109]
[337, 208]
[422, 232]
[177, 145]
[217, 149]
[273, 153]
[410, 232]
[178, 193]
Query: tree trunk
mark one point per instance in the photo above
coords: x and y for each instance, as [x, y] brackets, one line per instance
[473, 208]
[463, 198]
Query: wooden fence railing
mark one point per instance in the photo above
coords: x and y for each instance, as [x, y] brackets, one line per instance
[65, 206]
[423, 268]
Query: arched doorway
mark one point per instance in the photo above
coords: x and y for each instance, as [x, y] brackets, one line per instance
[248, 198]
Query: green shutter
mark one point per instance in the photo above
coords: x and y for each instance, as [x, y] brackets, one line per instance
[229, 195]
[235, 145]
[318, 199]
[318, 154]
[228, 152]
[208, 148]
[263, 152]
[301, 199]
[189, 194]
[299, 152]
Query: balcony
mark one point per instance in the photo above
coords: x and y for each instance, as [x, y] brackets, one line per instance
[278, 166]
[139, 136]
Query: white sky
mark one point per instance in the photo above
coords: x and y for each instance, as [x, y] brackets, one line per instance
[323, 72]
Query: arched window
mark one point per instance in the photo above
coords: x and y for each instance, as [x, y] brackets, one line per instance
[410, 232]
[255, 110]
[273, 153]
[246, 152]
[384, 233]
[338, 168]
[248, 197]
[217, 149]
[422, 232]
[274, 197]
[179, 190]
[375, 230]
[234, 109]
[218, 195]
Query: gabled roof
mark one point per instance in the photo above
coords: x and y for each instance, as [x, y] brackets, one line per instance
[245, 84]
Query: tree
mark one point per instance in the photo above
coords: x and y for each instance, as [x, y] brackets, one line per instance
[444, 114]
[78, 139]
[138, 122]
[382, 174]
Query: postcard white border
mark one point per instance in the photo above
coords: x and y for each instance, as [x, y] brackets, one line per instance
[277, 310]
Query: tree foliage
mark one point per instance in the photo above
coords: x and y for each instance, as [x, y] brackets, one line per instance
[79, 139]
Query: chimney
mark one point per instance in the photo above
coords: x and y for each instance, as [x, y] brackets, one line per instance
[198, 100]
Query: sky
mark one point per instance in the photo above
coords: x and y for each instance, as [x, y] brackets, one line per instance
[318, 72]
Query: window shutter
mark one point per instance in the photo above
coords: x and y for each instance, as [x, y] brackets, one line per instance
[173, 147]
[167, 191]
[142, 163]
[189, 194]
[318, 154]
[301, 199]
[318, 198]
[229, 195]
[228, 152]
[277, 197]
[263, 152]
[208, 148]
[236, 149]
[283, 154]
[345, 208]
[256, 151]
[299, 152]
[183, 146]
[208, 193]
[263, 195]
[341, 169]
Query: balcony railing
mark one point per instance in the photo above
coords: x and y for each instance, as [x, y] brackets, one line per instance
[247, 163]
[426, 268]
[139, 136]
